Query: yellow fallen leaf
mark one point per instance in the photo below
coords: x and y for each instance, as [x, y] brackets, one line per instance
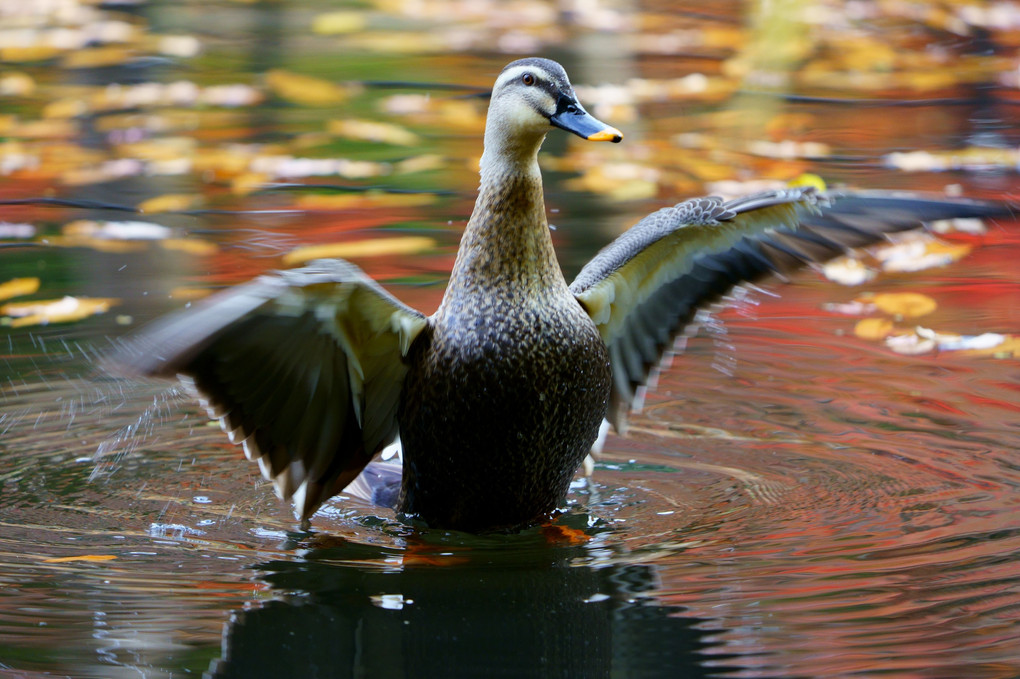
[245, 183]
[111, 55]
[371, 130]
[164, 148]
[809, 179]
[905, 304]
[1009, 348]
[352, 200]
[16, 84]
[222, 161]
[950, 252]
[187, 294]
[333, 23]
[423, 163]
[304, 89]
[847, 270]
[917, 251]
[83, 557]
[65, 108]
[118, 247]
[169, 202]
[191, 246]
[374, 247]
[462, 113]
[45, 129]
[63, 310]
[18, 286]
[619, 181]
[15, 53]
[873, 328]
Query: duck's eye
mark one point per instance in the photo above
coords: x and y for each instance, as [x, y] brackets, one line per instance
[528, 79]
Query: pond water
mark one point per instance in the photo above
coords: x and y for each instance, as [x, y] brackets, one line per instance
[795, 499]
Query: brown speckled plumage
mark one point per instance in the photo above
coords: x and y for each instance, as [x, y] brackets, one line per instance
[509, 382]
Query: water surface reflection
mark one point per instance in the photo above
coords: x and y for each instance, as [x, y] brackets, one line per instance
[516, 610]
[793, 501]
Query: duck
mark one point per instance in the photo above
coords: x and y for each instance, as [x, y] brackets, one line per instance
[498, 396]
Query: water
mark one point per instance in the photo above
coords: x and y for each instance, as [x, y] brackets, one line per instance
[793, 501]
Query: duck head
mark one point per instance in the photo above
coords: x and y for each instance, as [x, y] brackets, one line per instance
[529, 98]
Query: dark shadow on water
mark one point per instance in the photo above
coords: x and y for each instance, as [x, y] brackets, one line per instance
[493, 610]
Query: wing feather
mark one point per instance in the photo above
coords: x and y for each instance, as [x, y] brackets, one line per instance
[645, 288]
[304, 367]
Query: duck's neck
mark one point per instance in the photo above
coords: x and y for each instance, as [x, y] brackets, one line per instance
[507, 248]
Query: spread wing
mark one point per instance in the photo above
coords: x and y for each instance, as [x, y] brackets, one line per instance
[645, 287]
[302, 367]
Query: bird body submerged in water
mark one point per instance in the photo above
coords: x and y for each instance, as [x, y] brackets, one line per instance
[499, 395]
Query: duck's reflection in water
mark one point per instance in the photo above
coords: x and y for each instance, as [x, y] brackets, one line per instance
[497, 612]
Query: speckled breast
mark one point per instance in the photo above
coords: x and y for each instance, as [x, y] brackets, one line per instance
[499, 410]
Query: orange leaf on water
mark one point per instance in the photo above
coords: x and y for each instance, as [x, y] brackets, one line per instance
[191, 246]
[304, 89]
[556, 533]
[54, 310]
[905, 304]
[873, 328]
[371, 247]
[83, 557]
[170, 202]
[18, 286]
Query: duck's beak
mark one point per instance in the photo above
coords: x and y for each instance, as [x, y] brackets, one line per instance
[570, 116]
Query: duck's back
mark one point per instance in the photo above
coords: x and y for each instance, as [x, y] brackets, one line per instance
[503, 400]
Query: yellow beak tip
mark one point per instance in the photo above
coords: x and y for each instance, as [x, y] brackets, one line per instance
[608, 134]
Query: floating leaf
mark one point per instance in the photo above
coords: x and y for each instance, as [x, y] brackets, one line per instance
[191, 246]
[620, 181]
[788, 149]
[16, 84]
[304, 89]
[63, 310]
[126, 230]
[189, 294]
[557, 534]
[100, 244]
[247, 182]
[83, 557]
[919, 251]
[373, 247]
[808, 179]
[16, 230]
[423, 163]
[847, 270]
[165, 148]
[1008, 348]
[18, 53]
[904, 304]
[923, 340]
[182, 46]
[873, 328]
[170, 202]
[910, 344]
[334, 23]
[370, 130]
[16, 287]
[363, 200]
[977, 159]
[95, 57]
[983, 343]
[971, 226]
